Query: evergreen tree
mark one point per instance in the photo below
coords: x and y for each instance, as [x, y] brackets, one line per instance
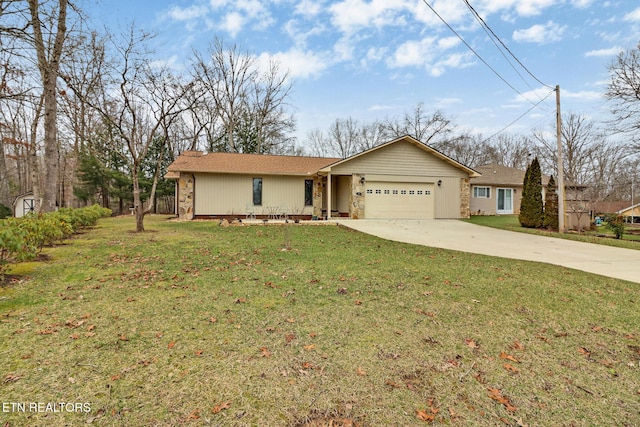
[551, 206]
[531, 206]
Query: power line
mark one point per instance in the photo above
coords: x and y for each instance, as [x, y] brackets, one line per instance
[474, 52]
[519, 117]
[495, 36]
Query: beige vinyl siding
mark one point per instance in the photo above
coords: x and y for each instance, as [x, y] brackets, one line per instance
[400, 158]
[227, 194]
[447, 198]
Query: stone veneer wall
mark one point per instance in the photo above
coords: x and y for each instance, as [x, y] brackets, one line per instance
[356, 197]
[185, 196]
[465, 198]
[317, 195]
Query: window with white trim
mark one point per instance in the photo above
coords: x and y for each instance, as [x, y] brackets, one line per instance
[482, 192]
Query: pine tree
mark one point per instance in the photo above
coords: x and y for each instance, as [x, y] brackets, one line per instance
[531, 206]
[551, 206]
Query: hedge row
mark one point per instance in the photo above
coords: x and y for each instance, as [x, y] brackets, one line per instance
[21, 239]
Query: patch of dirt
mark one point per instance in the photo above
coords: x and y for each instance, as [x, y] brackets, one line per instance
[332, 418]
[10, 280]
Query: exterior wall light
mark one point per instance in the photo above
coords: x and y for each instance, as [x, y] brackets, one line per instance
[439, 183]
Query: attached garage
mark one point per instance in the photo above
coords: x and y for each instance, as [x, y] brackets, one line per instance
[403, 200]
[403, 179]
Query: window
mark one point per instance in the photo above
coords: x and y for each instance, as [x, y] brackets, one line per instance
[386, 191]
[412, 192]
[395, 191]
[308, 192]
[257, 191]
[482, 192]
[378, 191]
[403, 191]
[369, 191]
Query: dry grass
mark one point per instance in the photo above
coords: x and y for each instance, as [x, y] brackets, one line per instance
[195, 324]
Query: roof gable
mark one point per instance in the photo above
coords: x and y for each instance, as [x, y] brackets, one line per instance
[409, 139]
[237, 163]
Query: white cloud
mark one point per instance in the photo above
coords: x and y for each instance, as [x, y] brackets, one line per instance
[187, 14]
[233, 23]
[533, 7]
[413, 53]
[547, 33]
[308, 8]
[612, 51]
[216, 4]
[633, 16]
[300, 63]
[351, 15]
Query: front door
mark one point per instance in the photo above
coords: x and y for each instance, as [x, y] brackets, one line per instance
[505, 201]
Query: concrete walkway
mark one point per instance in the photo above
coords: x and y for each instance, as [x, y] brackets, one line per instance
[463, 236]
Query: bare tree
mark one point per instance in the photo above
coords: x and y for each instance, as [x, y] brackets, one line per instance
[624, 93]
[513, 151]
[580, 139]
[49, 51]
[250, 105]
[429, 129]
[139, 103]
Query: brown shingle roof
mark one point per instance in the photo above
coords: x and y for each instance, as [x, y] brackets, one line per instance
[249, 163]
[495, 174]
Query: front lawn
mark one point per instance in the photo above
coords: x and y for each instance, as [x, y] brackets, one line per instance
[601, 235]
[294, 325]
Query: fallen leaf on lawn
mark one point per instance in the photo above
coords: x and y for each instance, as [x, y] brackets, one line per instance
[264, 352]
[123, 338]
[584, 351]
[240, 300]
[310, 347]
[74, 336]
[221, 407]
[361, 372]
[506, 356]
[290, 337]
[496, 395]
[199, 353]
[11, 378]
[213, 320]
[171, 345]
[471, 343]
[291, 320]
[517, 345]
[509, 367]
[424, 416]
[194, 415]
[91, 327]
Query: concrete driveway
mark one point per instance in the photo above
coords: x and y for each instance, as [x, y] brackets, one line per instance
[462, 236]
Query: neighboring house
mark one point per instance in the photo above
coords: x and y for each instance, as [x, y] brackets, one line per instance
[499, 192]
[403, 178]
[24, 204]
[631, 213]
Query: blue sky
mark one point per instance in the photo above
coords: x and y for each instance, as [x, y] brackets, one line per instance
[378, 58]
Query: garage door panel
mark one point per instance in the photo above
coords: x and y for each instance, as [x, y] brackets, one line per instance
[409, 200]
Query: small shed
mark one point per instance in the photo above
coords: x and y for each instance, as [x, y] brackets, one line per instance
[24, 204]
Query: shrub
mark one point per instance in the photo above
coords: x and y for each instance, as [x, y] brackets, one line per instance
[22, 238]
[551, 206]
[616, 225]
[5, 212]
[531, 206]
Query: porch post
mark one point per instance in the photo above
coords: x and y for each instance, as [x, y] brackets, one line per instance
[329, 195]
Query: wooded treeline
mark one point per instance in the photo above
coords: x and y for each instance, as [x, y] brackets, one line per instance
[89, 116]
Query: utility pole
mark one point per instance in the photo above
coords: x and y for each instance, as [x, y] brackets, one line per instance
[561, 191]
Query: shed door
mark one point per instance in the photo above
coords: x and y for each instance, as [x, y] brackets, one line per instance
[405, 200]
